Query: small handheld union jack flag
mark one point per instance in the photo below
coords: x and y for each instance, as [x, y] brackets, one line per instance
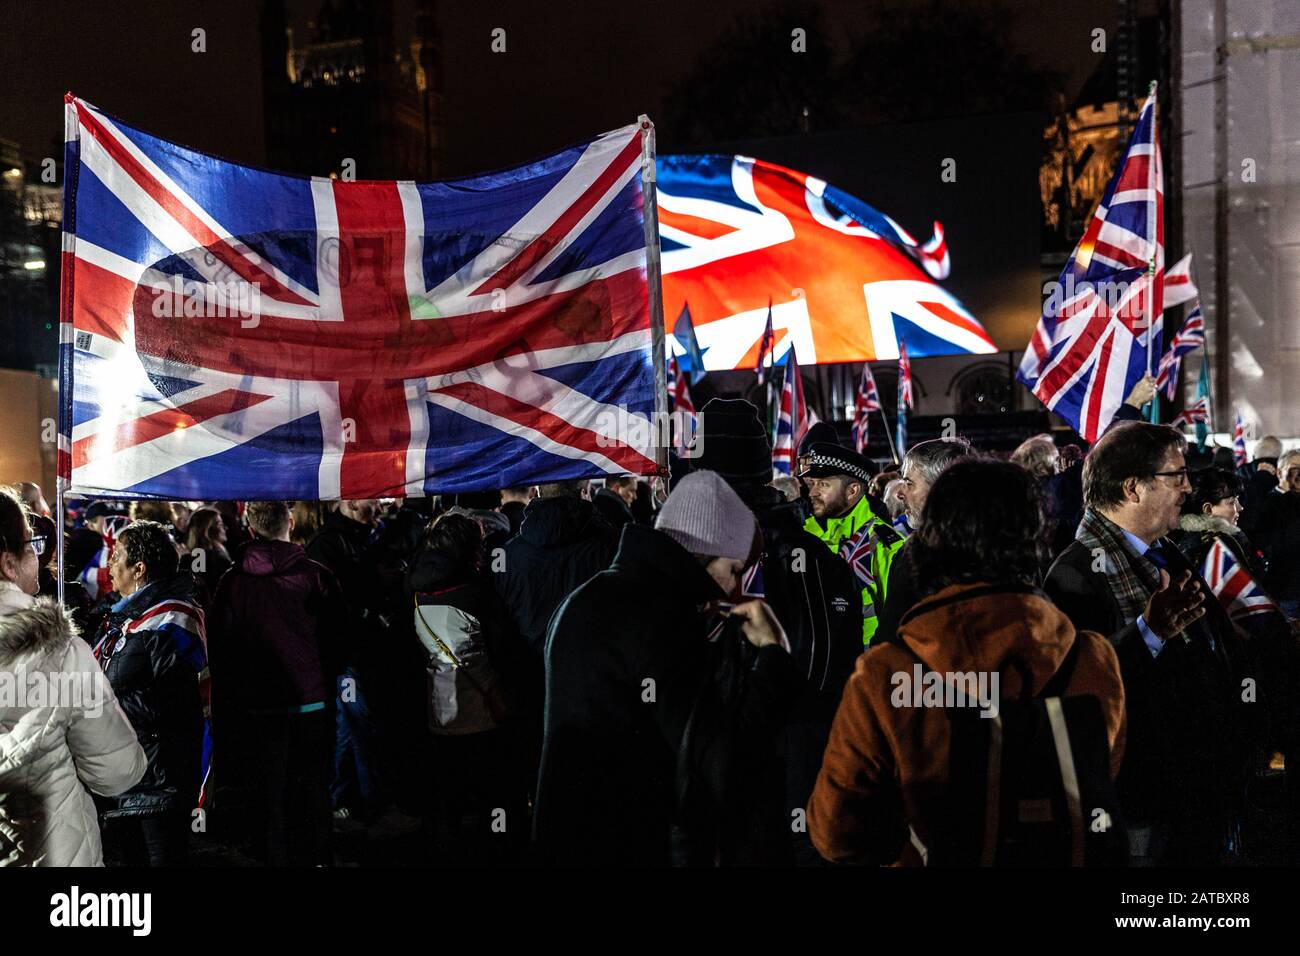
[1198, 411]
[792, 421]
[1231, 583]
[868, 401]
[1189, 338]
[1239, 441]
[904, 394]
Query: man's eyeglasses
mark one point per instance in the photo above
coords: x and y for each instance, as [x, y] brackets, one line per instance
[1181, 474]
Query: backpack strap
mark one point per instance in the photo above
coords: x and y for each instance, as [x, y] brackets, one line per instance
[1055, 686]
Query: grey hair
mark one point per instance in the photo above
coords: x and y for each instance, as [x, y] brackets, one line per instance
[1269, 447]
[930, 458]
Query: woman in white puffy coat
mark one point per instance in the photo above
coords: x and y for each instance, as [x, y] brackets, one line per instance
[62, 733]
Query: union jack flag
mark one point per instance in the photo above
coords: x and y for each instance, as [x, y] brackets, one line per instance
[857, 550]
[679, 400]
[847, 280]
[1233, 586]
[94, 577]
[792, 420]
[904, 395]
[1093, 343]
[1198, 411]
[234, 333]
[1188, 339]
[867, 401]
[679, 389]
[1239, 442]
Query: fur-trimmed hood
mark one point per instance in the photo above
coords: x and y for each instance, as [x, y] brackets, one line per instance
[1198, 524]
[30, 626]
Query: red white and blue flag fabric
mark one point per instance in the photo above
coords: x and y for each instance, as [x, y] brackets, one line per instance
[867, 401]
[1092, 344]
[229, 332]
[846, 281]
[1231, 583]
[792, 419]
[905, 403]
[1198, 411]
[1179, 287]
[1239, 442]
[679, 389]
[1188, 339]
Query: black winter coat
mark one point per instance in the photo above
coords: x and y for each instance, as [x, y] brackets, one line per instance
[1278, 534]
[561, 543]
[157, 684]
[815, 596]
[1190, 734]
[630, 673]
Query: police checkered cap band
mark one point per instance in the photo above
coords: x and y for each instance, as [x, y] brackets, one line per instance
[839, 464]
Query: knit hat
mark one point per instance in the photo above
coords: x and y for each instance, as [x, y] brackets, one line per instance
[733, 442]
[705, 516]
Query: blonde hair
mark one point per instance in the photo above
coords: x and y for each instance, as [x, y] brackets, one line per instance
[1037, 455]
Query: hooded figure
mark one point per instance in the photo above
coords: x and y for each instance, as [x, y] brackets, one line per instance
[661, 718]
[52, 753]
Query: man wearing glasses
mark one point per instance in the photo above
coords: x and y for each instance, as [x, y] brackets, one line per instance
[1191, 703]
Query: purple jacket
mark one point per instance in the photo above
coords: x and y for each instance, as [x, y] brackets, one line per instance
[276, 631]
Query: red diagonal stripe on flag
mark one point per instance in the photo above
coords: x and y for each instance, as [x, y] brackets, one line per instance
[559, 229]
[196, 227]
[552, 426]
[159, 423]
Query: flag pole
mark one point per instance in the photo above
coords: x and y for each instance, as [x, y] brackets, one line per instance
[1152, 187]
[58, 536]
[654, 283]
[893, 451]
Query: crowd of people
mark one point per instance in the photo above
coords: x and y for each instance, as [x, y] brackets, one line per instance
[600, 672]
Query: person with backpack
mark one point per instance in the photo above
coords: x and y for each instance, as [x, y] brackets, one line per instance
[893, 787]
[471, 662]
[276, 640]
[664, 700]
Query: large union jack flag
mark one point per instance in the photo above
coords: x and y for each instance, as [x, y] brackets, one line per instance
[1093, 343]
[845, 281]
[229, 332]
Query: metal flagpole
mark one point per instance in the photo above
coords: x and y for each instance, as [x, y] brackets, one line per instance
[893, 450]
[58, 535]
[654, 287]
[1152, 186]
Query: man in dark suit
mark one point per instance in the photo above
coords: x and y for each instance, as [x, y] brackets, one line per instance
[1191, 703]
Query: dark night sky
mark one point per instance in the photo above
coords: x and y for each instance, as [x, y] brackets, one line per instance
[571, 70]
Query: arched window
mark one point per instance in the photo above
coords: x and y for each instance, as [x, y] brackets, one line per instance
[984, 389]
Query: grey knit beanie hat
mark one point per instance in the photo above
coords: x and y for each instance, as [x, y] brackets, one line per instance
[706, 517]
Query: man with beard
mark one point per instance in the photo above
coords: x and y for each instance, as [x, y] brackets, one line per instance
[844, 518]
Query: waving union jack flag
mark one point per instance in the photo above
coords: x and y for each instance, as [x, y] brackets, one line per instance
[1239, 456]
[1231, 583]
[792, 421]
[1092, 343]
[1198, 411]
[868, 401]
[846, 280]
[1189, 338]
[234, 333]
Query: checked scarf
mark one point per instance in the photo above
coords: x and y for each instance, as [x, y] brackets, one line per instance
[1131, 577]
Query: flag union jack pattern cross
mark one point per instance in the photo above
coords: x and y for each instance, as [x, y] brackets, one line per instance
[845, 281]
[1093, 344]
[229, 332]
